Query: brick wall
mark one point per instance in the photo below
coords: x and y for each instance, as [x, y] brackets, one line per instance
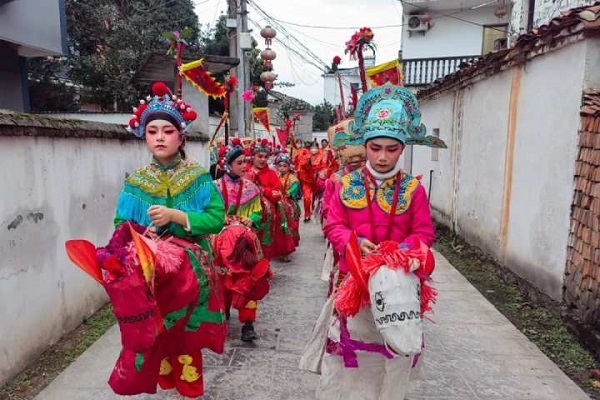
[582, 278]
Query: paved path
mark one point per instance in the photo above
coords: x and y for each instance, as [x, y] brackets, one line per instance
[473, 352]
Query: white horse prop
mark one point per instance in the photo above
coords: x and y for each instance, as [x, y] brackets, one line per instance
[373, 325]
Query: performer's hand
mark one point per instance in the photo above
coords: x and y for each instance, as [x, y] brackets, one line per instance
[276, 193]
[367, 247]
[247, 222]
[160, 215]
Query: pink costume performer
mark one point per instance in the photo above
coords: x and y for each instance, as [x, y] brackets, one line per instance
[361, 358]
[352, 158]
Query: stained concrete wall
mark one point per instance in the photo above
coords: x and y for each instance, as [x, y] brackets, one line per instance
[60, 182]
[506, 182]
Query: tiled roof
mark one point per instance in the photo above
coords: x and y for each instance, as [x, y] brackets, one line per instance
[573, 25]
[591, 103]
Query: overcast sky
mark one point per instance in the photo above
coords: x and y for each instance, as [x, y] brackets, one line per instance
[325, 43]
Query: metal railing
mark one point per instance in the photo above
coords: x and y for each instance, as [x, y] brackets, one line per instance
[424, 71]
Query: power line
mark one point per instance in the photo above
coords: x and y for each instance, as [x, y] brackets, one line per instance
[296, 42]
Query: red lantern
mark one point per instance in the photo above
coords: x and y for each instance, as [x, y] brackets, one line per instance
[268, 54]
[268, 33]
[500, 12]
[268, 77]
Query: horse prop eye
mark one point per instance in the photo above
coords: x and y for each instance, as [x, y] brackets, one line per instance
[379, 302]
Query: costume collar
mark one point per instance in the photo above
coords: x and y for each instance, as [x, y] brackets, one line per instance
[382, 177]
[232, 177]
[173, 164]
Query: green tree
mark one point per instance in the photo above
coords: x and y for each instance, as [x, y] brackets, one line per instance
[48, 88]
[215, 38]
[324, 116]
[110, 39]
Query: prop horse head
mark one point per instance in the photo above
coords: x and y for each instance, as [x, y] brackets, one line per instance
[393, 282]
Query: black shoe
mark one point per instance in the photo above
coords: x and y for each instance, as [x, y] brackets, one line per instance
[248, 333]
[306, 220]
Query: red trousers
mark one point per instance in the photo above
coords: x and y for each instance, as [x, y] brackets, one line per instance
[307, 192]
[246, 314]
[183, 373]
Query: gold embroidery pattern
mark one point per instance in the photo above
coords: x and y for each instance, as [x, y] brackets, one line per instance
[189, 373]
[165, 367]
[353, 194]
[157, 182]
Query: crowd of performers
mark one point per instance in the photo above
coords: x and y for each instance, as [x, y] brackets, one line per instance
[189, 246]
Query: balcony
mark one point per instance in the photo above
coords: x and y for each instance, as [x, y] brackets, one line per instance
[424, 71]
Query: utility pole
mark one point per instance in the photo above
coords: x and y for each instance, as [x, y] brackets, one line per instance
[232, 15]
[241, 70]
[247, 53]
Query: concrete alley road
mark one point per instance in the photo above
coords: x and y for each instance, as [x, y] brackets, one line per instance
[473, 352]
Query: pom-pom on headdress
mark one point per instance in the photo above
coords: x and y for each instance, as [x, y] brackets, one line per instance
[162, 101]
[230, 152]
[262, 146]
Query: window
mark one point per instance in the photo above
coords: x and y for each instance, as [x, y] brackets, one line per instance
[494, 38]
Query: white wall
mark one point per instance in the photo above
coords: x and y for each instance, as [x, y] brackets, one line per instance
[449, 36]
[331, 88]
[54, 190]
[34, 24]
[545, 151]
[469, 178]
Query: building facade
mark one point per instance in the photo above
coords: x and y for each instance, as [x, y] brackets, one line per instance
[441, 35]
[28, 28]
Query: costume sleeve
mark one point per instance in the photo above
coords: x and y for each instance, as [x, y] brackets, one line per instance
[271, 184]
[327, 194]
[209, 220]
[420, 219]
[256, 215]
[337, 227]
[294, 190]
[132, 206]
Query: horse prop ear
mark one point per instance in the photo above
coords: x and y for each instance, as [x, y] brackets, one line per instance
[83, 254]
[354, 263]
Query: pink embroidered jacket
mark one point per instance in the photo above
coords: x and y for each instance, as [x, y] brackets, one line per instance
[348, 211]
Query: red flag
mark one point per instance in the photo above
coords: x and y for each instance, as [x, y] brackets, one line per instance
[386, 72]
[262, 115]
[195, 73]
[282, 134]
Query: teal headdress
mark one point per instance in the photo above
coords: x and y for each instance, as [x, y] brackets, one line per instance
[393, 112]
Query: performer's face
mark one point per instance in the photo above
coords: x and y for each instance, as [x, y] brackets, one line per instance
[163, 140]
[283, 168]
[238, 167]
[383, 153]
[260, 160]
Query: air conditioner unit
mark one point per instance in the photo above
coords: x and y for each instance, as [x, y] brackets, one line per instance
[415, 23]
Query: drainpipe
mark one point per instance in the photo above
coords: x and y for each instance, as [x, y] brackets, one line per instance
[430, 184]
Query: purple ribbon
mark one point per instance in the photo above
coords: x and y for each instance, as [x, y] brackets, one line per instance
[347, 347]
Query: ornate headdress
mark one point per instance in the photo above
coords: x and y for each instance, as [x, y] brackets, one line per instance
[162, 102]
[230, 152]
[262, 146]
[283, 157]
[393, 112]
